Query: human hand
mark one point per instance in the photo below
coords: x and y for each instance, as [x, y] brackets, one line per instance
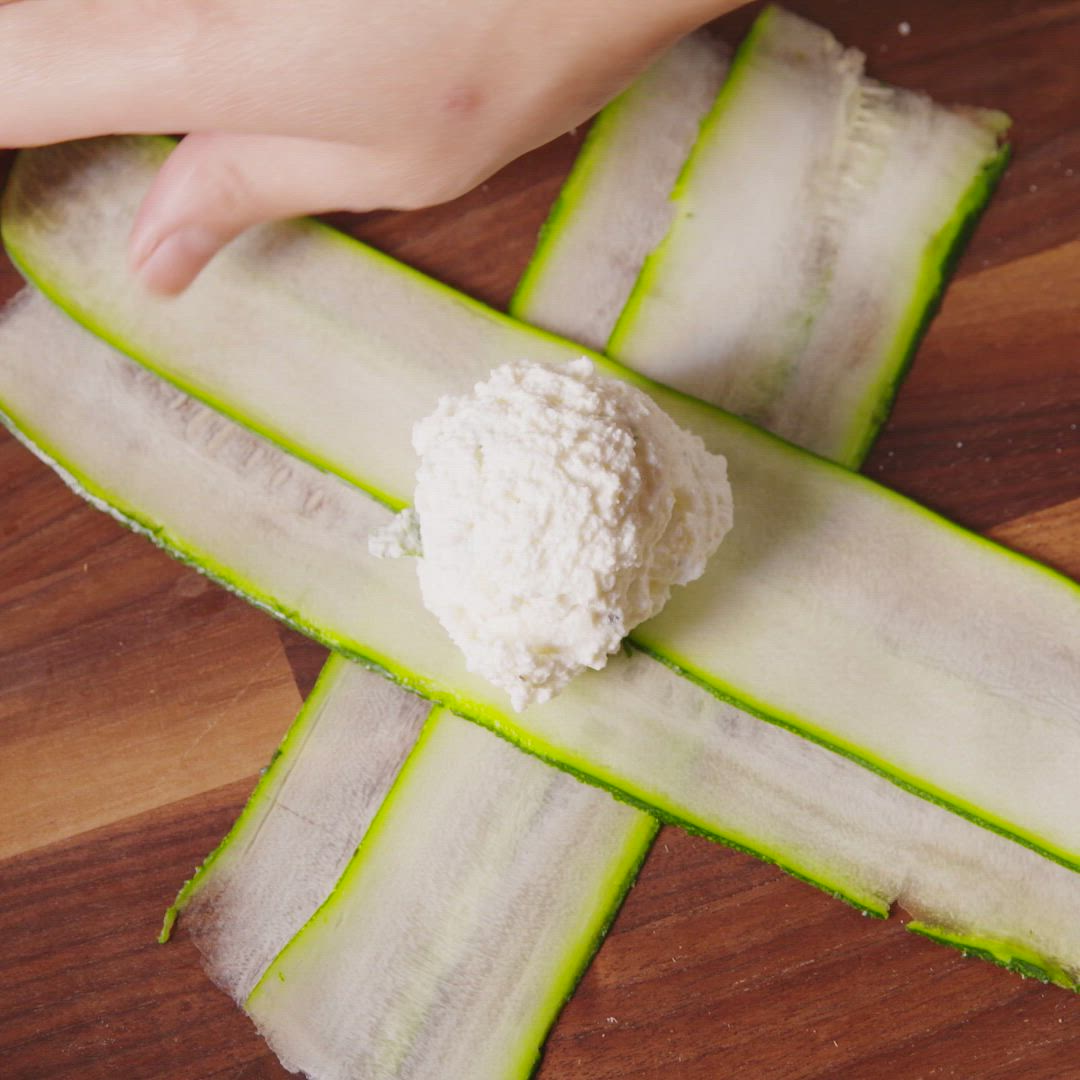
[329, 105]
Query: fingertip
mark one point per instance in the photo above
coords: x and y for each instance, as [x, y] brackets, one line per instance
[167, 267]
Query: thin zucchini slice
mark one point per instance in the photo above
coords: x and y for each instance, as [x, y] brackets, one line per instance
[302, 824]
[448, 952]
[166, 465]
[827, 208]
[615, 206]
[835, 608]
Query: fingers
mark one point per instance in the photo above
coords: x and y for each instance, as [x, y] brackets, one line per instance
[213, 187]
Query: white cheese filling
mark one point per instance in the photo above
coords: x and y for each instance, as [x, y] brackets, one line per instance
[556, 510]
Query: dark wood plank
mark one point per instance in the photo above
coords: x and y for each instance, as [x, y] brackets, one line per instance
[718, 966]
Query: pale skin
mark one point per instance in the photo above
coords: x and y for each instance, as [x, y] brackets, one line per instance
[295, 108]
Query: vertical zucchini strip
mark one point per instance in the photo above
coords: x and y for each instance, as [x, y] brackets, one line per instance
[474, 903]
[820, 212]
[302, 824]
[615, 206]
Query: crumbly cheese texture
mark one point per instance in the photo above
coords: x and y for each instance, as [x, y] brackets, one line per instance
[556, 510]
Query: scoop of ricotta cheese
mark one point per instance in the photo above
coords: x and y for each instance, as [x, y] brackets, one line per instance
[556, 509]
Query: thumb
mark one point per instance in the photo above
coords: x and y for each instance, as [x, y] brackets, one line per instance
[213, 187]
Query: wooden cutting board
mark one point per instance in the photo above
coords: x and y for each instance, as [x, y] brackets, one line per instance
[137, 701]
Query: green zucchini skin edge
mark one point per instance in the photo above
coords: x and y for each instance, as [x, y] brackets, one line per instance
[87, 320]
[618, 896]
[1005, 954]
[492, 718]
[736, 74]
[942, 254]
[570, 194]
[566, 202]
[867, 761]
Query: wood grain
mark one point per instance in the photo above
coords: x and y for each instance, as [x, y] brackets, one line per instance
[137, 703]
[117, 666]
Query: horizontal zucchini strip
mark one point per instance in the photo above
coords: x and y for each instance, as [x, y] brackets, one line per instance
[836, 608]
[168, 467]
[615, 206]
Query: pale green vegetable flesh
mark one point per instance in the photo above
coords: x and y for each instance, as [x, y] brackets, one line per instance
[167, 466]
[835, 607]
[615, 206]
[496, 915]
[824, 207]
[301, 825]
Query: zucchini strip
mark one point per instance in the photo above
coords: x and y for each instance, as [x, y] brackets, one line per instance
[462, 943]
[301, 826]
[615, 205]
[836, 608]
[166, 465]
[825, 208]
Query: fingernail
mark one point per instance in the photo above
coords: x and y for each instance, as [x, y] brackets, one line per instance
[171, 266]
